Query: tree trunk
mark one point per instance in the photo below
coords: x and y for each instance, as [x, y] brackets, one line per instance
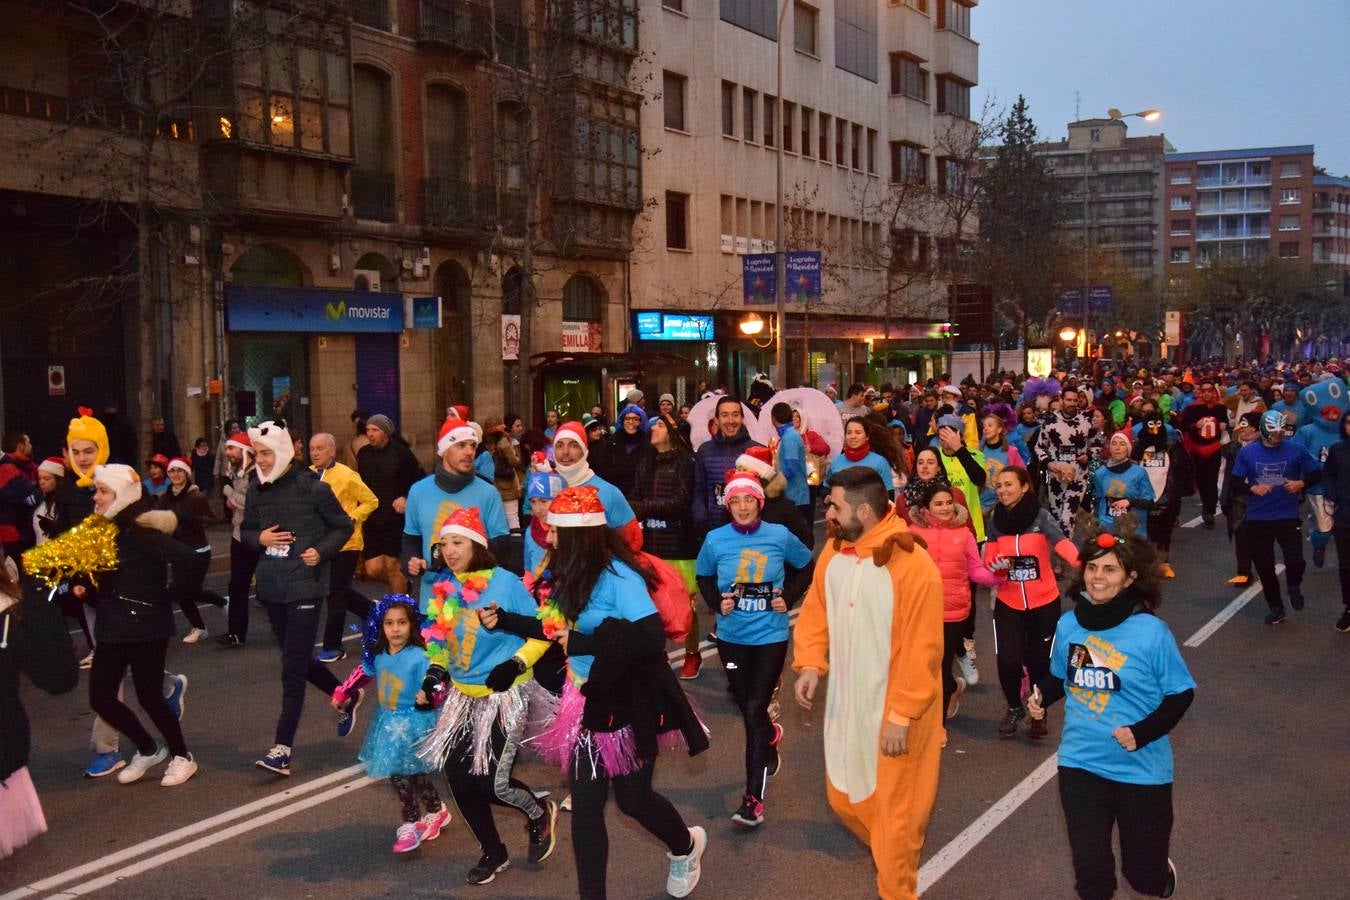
[145, 396]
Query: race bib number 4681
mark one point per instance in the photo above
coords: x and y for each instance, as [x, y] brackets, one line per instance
[1084, 674]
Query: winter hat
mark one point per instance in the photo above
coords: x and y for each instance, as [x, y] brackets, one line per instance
[743, 483]
[466, 522]
[159, 459]
[53, 465]
[458, 411]
[634, 410]
[241, 441]
[379, 420]
[1124, 436]
[635, 396]
[123, 482]
[952, 389]
[956, 423]
[179, 463]
[572, 431]
[87, 428]
[576, 507]
[664, 397]
[273, 436]
[453, 431]
[543, 486]
[758, 460]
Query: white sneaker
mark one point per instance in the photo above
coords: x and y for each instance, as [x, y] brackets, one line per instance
[566, 804]
[88, 661]
[179, 770]
[139, 765]
[685, 870]
[969, 673]
[195, 635]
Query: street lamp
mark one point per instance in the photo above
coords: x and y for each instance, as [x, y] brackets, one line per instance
[1067, 334]
[779, 267]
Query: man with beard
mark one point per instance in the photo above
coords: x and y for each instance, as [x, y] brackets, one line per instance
[1061, 448]
[389, 469]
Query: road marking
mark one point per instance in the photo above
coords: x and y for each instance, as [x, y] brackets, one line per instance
[1194, 523]
[1232, 609]
[976, 831]
[179, 834]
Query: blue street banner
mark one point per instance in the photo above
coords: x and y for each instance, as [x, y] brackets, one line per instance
[254, 308]
[803, 275]
[1100, 301]
[757, 279]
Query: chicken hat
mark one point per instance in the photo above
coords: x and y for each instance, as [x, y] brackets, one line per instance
[87, 428]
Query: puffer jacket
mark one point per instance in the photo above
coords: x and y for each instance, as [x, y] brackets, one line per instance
[957, 557]
[133, 602]
[300, 503]
[661, 503]
[1030, 581]
[714, 457]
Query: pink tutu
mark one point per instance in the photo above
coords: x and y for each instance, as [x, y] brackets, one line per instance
[21, 817]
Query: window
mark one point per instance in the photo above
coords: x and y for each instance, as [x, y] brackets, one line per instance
[583, 299]
[605, 162]
[1181, 177]
[677, 221]
[952, 178]
[373, 176]
[855, 148]
[758, 16]
[954, 15]
[1181, 202]
[770, 106]
[855, 37]
[789, 125]
[808, 116]
[512, 145]
[953, 96]
[748, 117]
[672, 95]
[823, 135]
[292, 95]
[1180, 255]
[908, 163]
[804, 20]
[677, 5]
[728, 109]
[839, 127]
[1289, 196]
[447, 134]
[1289, 223]
[1181, 227]
[1288, 249]
[908, 77]
[872, 151]
[920, 5]
[1291, 170]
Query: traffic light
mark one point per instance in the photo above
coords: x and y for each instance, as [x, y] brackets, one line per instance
[947, 330]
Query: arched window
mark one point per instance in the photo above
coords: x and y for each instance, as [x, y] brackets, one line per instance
[373, 176]
[447, 133]
[268, 266]
[583, 299]
[513, 289]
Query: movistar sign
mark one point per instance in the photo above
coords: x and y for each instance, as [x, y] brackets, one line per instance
[254, 308]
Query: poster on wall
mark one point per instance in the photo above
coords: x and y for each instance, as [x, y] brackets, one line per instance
[582, 337]
[1039, 362]
[510, 337]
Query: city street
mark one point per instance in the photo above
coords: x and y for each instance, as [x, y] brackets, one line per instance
[1260, 796]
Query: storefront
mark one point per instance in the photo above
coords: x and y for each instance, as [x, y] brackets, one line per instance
[573, 383]
[686, 342]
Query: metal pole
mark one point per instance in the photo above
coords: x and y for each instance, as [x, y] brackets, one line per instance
[779, 268]
[1087, 308]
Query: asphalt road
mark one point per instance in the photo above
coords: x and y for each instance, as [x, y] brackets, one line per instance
[1261, 791]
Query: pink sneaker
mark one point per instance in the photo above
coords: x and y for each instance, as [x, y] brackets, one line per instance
[431, 824]
[409, 838]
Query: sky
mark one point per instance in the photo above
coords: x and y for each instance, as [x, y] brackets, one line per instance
[1226, 73]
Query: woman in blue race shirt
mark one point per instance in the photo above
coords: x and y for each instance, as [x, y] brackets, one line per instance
[1126, 687]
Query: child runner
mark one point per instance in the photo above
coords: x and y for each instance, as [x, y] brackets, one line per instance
[1122, 489]
[393, 653]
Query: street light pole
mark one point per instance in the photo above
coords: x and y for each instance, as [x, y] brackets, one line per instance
[779, 267]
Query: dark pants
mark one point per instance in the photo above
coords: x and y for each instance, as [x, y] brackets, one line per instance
[146, 661]
[753, 671]
[1263, 535]
[1341, 534]
[243, 563]
[637, 800]
[1207, 481]
[185, 587]
[1093, 806]
[475, 794]
[953, 645]
[342, 598]
[1022, 639]
[295, 625]
[1162, 523]
[415, 793]
[1242, 548]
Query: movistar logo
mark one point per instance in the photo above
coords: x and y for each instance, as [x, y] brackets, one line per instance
[337, 310]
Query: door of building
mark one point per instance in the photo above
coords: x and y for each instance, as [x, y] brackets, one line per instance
[377, 374]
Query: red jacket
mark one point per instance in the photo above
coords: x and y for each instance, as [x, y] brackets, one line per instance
[19, 496]
[1030, 581]
[953, 549]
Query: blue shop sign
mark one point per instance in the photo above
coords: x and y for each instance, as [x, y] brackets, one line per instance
[254, 308]
[659, 326]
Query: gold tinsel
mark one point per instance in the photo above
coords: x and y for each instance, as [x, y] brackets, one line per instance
[87, 549]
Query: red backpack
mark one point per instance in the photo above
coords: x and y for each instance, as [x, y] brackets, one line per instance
[671, 596]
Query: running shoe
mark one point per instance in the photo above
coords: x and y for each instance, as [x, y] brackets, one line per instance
[1275, 616]
[684, 870]
[177, 695]
[179, 770]
[969, 673]
[566, 804]
[693, 662]
[1319, 556]
[489, 865]
[1170, 886]
[328, 657]
[1166, 570]
[278, 760]
[1240, 579]
[954, 704]
[108, 763]
[432, 823]
[347, 718]
[543, 833]
[1008, 727]
[139, 765]
[777, 744]
[408, 838]
[1343, 623]
[230, 641]
[88, 661]
[751, 813]
[194, 635]
[1296, 597]
[1038, 728]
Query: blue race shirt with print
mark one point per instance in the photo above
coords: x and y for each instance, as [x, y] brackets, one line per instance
[398, 677]
[872, 460]
[1258, 464]
[617, 511]
[737, 558]
[428, 507]
[1131, 484]
[619, 593]
[474, 650]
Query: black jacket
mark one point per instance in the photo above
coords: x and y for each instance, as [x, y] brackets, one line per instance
[617, 457]
[660, 500]
[389, 472]
[67, 507]
[1336, 479]
[133, 603]
[192, 511]
[35, 643]
[302, 504]
[715, 456]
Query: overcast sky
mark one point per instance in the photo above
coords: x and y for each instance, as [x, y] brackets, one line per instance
[1226, 73]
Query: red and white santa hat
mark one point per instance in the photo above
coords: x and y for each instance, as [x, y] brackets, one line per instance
[571, 431]
[453, 431]
[241, 441]
[179, 463]
[737, 483]
[758, 460]
[53, 465]
[465, 522]
[576, 507]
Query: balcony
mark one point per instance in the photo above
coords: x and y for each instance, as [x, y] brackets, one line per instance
[1229, 234]
[456, 25]
[460, 205]
[372, 13]
[373, 195]
[1211, 182]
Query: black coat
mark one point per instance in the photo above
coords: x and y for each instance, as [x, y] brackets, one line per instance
[192, 511]
[298, 502]
[36, 644]
[616, 459]
[1336, 480]
[133, 603]
[68, 506]
[660, 500]
[389, 472]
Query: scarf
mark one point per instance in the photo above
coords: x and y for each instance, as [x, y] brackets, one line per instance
[856, 455]
[451, 482]
[539, 531]
[1101, 616]
[1020, 517]
[576, 474]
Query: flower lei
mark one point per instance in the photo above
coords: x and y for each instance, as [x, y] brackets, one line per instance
[444, 605]
[548, 614]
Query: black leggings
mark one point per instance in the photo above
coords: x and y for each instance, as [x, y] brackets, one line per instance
[637, 800]
[953, 645]
[1207, 481]
[185, 586]
[1022, 639]
[1161, 524]
[475, 794]
[146, 661]
[1262, 537]
[415, 793]
[342, 598]
[1093, 807]
[753, 671]
[1242, 548]
[243, 563]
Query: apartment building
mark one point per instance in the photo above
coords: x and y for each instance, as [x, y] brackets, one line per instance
[1331, 225]
[870, 89]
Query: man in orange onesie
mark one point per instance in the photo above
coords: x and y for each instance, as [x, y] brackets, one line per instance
[874, 616]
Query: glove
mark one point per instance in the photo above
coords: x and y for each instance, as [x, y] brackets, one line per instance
[433, 684]
[505, 674]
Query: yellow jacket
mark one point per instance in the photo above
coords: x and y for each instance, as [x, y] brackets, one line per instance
[356, 500]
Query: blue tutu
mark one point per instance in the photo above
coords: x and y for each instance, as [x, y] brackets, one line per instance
[391, 743]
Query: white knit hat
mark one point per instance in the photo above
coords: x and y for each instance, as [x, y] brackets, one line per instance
[273, 436]
[123, 482]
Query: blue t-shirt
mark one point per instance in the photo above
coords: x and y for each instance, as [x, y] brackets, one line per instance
[1318, 441]
[428, 507]
[154, 490]
[1112, 678]
[619, 593]
[484, 467]
[398, 677]
[474, 650]
[792, 462]
[872, 460]
[1131, 484]
[995, 461]
[1258, 464]
[617, 511]
[534, 551]
[757, 558]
